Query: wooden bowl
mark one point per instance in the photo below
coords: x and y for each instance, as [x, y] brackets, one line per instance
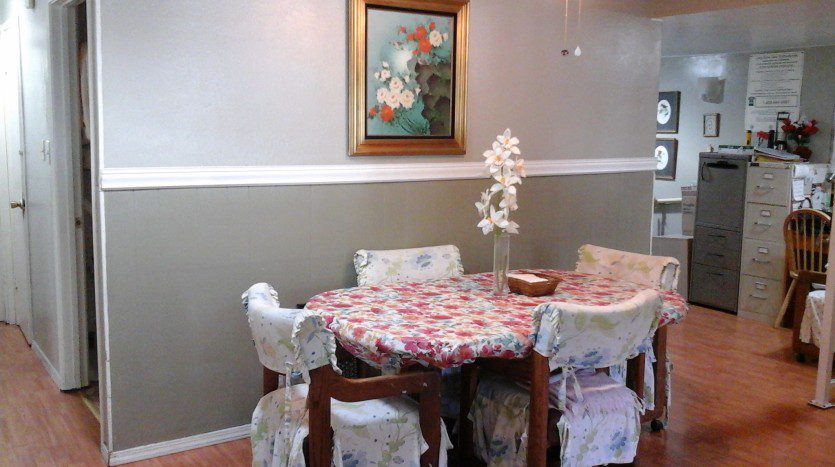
[535, 289]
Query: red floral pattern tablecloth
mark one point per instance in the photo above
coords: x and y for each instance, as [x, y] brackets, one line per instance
[450, 322]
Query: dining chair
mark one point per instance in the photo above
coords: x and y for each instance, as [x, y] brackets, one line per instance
[806, 233]
[593, 418]
[659, 272]
[371, 420]
[376, 267]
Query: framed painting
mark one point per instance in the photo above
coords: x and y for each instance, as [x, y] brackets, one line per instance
[666, 115]
[408, 77]
[666, 154]
[710, 125]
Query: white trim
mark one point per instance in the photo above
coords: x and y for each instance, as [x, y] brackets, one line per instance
[144, 178]
[53, 373]
[178, 445]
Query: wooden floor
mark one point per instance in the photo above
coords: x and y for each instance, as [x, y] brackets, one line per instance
[739, 398]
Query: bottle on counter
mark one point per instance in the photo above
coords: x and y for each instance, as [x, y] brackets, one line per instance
[771, 137]
[748, 135]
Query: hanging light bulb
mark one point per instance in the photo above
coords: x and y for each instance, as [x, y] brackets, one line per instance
[578, 52]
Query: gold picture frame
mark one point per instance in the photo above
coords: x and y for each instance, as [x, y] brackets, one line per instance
[442, 132]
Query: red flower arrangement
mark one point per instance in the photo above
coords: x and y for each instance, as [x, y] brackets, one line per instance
[800, 132]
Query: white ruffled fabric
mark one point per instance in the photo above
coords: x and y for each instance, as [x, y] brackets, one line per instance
[812, 322]
[601, 426]
[375, 432]
[375, 267]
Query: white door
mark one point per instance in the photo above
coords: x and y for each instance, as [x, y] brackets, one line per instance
[18, 285]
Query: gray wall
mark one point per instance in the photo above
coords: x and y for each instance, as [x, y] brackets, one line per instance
[196, 83]
[682, 74]
[182, 361]
[34, 32]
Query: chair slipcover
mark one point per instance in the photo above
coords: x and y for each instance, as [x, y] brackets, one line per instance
[575, 337]
[812, 322]
[660, 272]
[365, 433]
[376, 267]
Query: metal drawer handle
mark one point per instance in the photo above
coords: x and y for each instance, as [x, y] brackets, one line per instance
[720, 255]
[757, 260]
[758, 297]
[765, 187]
[764, 224]
[716, 274]
[716, 236]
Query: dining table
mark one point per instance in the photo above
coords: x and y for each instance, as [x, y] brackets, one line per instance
[456, 321]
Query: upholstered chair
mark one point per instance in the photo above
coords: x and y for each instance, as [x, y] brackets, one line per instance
[659, 272]
[594, 418]
[372, 421]
[375, 267]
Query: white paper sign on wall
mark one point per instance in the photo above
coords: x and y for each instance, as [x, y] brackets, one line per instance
[774, 82]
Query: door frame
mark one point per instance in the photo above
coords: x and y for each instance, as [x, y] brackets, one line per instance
[63, 47]
[12, 26]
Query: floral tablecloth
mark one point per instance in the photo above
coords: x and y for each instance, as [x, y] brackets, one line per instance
[449, 322]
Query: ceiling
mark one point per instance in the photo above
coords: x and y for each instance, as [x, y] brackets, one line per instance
[762, 28]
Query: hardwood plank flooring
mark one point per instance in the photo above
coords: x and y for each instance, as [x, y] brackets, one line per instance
[739, 398]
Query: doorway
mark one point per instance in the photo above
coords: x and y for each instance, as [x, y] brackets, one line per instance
[14, 231]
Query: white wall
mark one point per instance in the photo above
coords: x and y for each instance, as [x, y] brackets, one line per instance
[201, 83]
[682, 74]
[34, 32]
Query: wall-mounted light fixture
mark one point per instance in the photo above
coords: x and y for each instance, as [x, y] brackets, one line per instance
[577, 51]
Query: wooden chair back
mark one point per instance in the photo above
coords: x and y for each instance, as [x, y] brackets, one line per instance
[806, 232]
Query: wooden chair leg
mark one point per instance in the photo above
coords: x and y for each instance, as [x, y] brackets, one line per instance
[538, 421]
[430, 424]
[785, 305]
[469, 385]
[320, 437]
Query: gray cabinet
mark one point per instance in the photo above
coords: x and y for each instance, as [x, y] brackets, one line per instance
[717, 240]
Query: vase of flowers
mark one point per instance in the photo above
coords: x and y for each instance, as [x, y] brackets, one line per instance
[800, 133]
[507, 170]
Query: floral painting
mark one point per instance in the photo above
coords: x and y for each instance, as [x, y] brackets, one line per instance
[408, 75]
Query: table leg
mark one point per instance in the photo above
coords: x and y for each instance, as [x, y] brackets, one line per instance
[538, 421]
[660, 349]
[469, 385]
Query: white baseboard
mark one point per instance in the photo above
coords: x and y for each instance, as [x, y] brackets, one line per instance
[178, 445]
[53, 373]
[154, 178]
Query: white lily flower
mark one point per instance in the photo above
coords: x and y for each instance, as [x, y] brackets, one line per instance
[382, 95]
[509, 199]
[396, 84]
[435, 38]
[385, 74]
[495, 158]
[520, 167]
[495, 219]
[509, 141]
[407, 99]
[512, 227]
[506, 177]
[484, 204]
[393, 100]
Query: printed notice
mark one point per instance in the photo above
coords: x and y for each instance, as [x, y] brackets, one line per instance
[774, 82]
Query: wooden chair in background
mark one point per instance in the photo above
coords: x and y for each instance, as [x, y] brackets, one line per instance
[806, 232]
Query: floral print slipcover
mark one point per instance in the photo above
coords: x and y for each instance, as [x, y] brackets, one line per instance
[603, 428]
[375, 432]
[600, 420]
[376, 267]
[812, 322]
[659, 272]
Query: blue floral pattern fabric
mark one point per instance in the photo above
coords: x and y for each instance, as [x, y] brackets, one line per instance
[376, 267]
[600, 420]
[375, 432]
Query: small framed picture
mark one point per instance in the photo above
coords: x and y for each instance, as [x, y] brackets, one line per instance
[666, 116]
[666, 153]
[710, 126]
